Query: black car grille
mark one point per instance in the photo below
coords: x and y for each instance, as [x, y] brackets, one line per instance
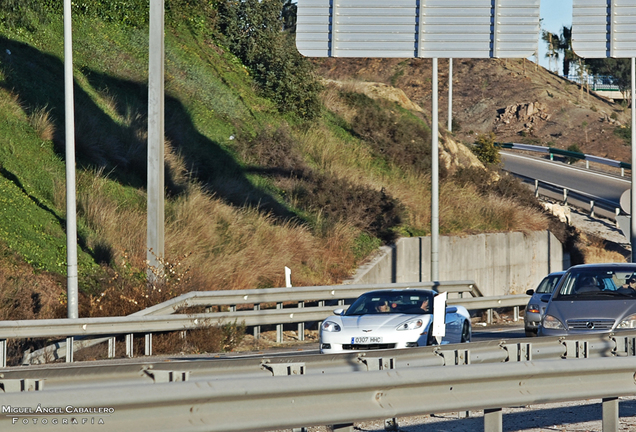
[591, 324]
[367, 346]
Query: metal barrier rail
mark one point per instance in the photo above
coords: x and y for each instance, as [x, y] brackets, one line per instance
[299, 400]
[296, 294]
[61, 375]
[567, 153]
[254, 298]
[564, 192]
[129, 325]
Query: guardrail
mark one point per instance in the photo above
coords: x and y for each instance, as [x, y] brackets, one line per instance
[296, 395]
[149, 324]
[563, 193]
[569, 154]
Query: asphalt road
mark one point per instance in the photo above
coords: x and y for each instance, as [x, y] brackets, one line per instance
[591, 182]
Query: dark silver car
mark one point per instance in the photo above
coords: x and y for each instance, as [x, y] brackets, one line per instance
[536, 308]
[592, 298]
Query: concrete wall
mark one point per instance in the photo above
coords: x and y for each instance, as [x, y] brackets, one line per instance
[503, 263]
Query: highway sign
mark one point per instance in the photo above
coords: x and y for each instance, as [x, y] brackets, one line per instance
[604, 28]
[418, 28]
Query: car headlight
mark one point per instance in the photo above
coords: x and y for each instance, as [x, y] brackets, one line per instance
[532, 308]
[550, 322]
[628, 323]
[411, 325]
[330, 326]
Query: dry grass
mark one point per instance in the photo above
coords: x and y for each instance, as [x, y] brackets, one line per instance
[225, 247]
[598, 250]
[41, 120]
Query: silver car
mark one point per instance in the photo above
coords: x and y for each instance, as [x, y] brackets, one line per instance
[536, 308]
[592, 298]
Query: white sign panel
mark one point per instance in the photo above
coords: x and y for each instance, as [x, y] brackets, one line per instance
[418, 28]
[604, 28]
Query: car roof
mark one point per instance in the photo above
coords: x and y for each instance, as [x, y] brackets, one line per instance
[402, 290]
[630, 266]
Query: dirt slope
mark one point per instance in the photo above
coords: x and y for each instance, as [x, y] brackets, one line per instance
[542, 108]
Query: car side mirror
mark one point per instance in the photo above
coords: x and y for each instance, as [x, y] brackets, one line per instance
[339, 311]
[545, 298]
[530, 292]
[452, 309]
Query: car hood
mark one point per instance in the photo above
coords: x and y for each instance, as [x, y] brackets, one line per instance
[372, 322]
[593, 309]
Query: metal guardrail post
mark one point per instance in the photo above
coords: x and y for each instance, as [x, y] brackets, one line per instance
[69, 349]
[111, 347]
[279, 327]
[129, 345]
[618, 212]
[148, 344]
[301, 326]
[587, 164]
[565, 196]
[489, 316]
[3, 353]
[536, 188]
[232, 308]
[257, 328]
[515, 313]
[592, 208]
[610, 414]
[622, 172]
[493, 420]
[551, 156]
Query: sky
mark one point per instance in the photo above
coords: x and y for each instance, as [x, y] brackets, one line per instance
[555, 14]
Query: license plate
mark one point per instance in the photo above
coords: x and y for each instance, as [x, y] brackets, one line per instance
[366, 340]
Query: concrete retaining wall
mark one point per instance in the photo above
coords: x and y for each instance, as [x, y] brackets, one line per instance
[503, 263]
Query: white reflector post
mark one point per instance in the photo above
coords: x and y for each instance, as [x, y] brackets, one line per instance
[439, 316]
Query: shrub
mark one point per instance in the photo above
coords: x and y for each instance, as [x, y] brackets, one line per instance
[573, 148]
[624, 132]
[395, 135]
[254, 33]
[486, 150]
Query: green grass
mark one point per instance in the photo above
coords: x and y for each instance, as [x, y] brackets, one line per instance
[247, 177]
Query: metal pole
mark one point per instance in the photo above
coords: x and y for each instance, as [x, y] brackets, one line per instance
[450, 94]
[156, 181]
[633, 192]
[69, 125]
[435, 179]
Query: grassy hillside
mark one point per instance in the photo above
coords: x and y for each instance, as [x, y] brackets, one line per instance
[265, 166]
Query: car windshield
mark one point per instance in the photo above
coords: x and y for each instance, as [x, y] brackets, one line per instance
[598, 283]
[548, 284]
[403, 302]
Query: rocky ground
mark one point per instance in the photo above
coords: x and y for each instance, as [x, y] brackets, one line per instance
[515, 99]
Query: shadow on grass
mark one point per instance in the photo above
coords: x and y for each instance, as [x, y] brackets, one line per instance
[120, 149]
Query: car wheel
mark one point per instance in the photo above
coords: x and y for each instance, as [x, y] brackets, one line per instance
[465, 332]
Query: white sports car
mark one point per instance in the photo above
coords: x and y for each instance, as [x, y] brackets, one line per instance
[390, 319]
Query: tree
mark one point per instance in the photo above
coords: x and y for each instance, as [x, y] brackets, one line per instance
[618, 70]
[565, 46]
[553, 46]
